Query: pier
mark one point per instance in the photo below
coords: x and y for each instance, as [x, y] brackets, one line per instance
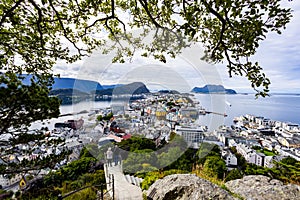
[216, 113]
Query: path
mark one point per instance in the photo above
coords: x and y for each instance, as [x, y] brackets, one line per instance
[123, 189]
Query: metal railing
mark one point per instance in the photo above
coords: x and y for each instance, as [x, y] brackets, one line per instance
[110, 182]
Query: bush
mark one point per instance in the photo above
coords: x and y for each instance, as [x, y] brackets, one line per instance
[86, 194]
[99, 118]
[233, 174]
[151, 177]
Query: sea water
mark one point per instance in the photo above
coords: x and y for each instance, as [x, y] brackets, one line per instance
[285, 108]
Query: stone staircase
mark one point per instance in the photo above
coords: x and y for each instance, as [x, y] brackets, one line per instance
[123, 189]
[133, 180]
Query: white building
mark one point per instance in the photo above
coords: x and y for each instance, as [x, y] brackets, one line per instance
[192, 135]
[5, 181]
[251, 155]
[290, 127]
[278, 124]
[267, 144]
[286, 152]
[230, 160]
[244, 150]
[256, 158]
[232, 143]
[269, 161]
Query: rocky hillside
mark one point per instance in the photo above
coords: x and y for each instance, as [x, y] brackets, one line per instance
[258, 187]
[189, 186]
[185, 187]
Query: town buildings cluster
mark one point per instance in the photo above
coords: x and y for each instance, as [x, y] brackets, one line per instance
[251, 131]
[156, 116]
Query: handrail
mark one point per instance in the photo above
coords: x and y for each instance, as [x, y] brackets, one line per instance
[60, 197]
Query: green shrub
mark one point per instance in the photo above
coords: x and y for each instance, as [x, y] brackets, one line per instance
[233, 174]
[151, 177]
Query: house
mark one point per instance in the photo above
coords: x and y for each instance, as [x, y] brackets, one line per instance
[256, 158]
[278, 124]
[230, 160]
[232, 143]
[251, 118]
[252, 156]
[73, 156]
[244, 150]
[6, 181]
[160, 113]
[266, 122]
[290, 127]
[283, 141]
[286, 153]
[269, 161]
[73, 144]
[267, 144]
[224, 134]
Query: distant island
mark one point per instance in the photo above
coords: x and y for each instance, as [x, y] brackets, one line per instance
[213, 89]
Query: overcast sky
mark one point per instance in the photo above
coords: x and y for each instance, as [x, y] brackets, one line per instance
[279, 55]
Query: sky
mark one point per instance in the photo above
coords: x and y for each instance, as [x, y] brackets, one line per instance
[279, 55]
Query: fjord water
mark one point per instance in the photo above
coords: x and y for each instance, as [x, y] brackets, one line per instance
[285, 108]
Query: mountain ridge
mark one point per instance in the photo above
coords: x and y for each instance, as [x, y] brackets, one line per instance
[78, 84]
[131, 88]
[71, 95]
[69, 83]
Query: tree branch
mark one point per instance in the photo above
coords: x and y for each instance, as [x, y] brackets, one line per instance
[79, 50]
[39, 21]
[102, 19]
[144, 4]
[222, 20]
[9, 12]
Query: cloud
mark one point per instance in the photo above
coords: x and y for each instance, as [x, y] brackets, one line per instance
[182, 73]
[279, 55]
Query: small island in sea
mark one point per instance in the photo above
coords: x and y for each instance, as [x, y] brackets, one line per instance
[213, 89]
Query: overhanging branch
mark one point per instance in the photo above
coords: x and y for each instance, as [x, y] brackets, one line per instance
[10, 12]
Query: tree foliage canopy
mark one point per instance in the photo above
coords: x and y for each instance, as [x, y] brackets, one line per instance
[41, 32]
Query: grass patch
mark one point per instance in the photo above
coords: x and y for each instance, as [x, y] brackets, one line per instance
[266, 152]
[215, 180]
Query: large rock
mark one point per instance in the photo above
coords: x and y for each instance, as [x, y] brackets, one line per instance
[185, 186]
[258, 187]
